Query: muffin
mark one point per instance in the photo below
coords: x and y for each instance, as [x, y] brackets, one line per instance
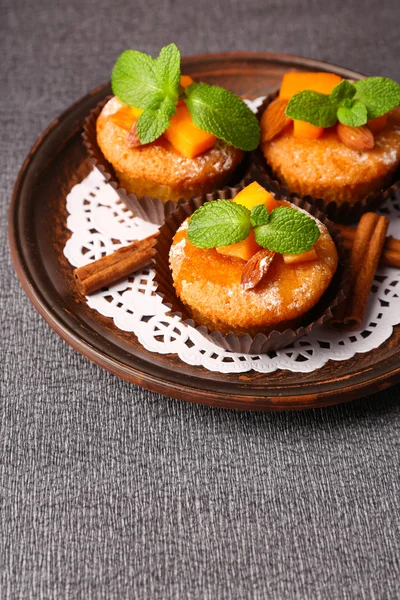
[157, 169]
[209, 281]
[327, 168]
[335, 161]
[167, 136]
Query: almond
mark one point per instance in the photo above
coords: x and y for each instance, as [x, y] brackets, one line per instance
[256, 268]
[356, 138]
[133, 141]
[274, 119]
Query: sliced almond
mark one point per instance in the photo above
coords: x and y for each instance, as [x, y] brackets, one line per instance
[274, 119]
[356, 138]
[256, 268]
[133, 141]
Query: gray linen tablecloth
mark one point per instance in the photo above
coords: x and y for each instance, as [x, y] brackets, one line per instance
[109, 491]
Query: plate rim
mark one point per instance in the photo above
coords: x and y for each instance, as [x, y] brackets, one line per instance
[273, 399]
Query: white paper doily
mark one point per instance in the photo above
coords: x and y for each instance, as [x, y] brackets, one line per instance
[100, 224]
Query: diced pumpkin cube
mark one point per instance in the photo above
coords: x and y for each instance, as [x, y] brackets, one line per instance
[136, 112]
[123, 118]
[186, 80]
[255, 194]
[243, 250]
[376, 125]
[185, 136]
[306, 131]
[291, 259]
[293, 83]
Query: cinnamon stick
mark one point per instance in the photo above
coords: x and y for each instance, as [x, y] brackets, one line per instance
[391, 250]
[109, 269]
[368, 243]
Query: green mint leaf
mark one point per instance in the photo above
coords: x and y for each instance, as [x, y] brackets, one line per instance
[168, 71]
[223, 114]
[259, 215]
[219, 223]
[153, 122]
[346, 102]
[379, 94]
[343, 91]
[355, 115]
[312, 107]
[134, 80]
[288, 231]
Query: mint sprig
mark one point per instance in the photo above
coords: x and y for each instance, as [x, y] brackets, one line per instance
[223, 114]
[351, 103]
[151, 84]
[154, 85]
[222, 222]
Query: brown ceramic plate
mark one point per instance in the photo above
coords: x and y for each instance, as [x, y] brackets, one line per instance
[37, 230]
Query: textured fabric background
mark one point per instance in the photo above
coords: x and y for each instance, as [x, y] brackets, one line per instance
[109, 491]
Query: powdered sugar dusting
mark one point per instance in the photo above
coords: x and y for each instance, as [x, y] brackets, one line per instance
[112, 106]
[301, 295]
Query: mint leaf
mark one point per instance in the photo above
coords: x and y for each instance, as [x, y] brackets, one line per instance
[219, 223]
[153, 122]
[168, 71]
[288, 231]
[342, 91]
[346, 102]
[259, 215]
[223, 114]
[312, 107]
[134, 80]
[379, 94]
[355, 115]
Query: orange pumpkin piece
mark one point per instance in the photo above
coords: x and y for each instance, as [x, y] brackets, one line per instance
[185, 136]
[376, 125]
[186, 80]
[124, 118]
[254, 194]
[243, 250]
[136, 112]
[293, 83]
[292, 259]
[306, 131]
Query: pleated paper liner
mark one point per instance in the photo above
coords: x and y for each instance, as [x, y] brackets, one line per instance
[339, 213]
[149, 209]
[247, 344]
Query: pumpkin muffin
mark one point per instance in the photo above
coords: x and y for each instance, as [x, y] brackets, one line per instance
[157, 169]
[333, 139]
[327, 168]
[167, 136]
[209, 281]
